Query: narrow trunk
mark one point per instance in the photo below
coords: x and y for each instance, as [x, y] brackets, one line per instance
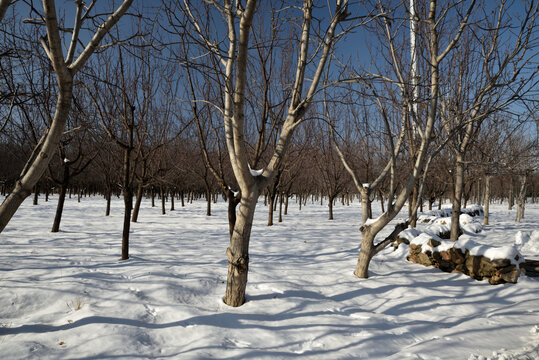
[330, 205]
[281, 207]
[208, 201]
[36, 194]
[59, 209]
[238, 251]
[286, 204]
[162, 194]
[152, 194]
[487, 199]
[511, 197]
[172, 201]
[128, 201]
[457, 199]
[61, 200]
[182, 195]
[414, 197]
[138, 201]
[521, 198]
[109, 195]
[271, 199]
[382, 202]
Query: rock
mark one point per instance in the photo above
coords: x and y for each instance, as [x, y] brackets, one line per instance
[433, 243]
[497, 271]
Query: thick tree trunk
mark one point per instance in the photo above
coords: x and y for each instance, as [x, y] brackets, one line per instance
[486, 199]
[238, 251]
[138, 201]
[366, 208]
[233, 202]
[39, 161]
[366, 253]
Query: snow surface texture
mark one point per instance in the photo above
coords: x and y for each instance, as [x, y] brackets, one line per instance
[67, 296]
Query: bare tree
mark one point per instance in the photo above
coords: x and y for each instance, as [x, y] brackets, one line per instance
[65, 68]
[423, 130]
[234, 62]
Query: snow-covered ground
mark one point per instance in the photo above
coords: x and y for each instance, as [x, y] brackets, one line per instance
[67, 295]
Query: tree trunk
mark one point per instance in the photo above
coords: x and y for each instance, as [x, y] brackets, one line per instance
[511, 201]
[172, 201]
[109, 195]
[366, 253]
[270, 211]
[128, 201]
[208, 201]
[39, 161]
[182, 195]
[36, 194]
[457, 198]
[521, 198]
[233, 202]
[330, 206]
[486, 199]
[366, 208]
[281, 207]
[286, 204]
[162, 194]
[413, 214]
[61, 200]
[238, 251]
[138, 201]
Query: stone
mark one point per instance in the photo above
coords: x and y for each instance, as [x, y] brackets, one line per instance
[433, 243]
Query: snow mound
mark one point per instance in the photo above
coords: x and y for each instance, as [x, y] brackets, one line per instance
[527, 241]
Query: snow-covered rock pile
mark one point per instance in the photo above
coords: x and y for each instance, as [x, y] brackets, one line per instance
[498, 265]
[429, 216]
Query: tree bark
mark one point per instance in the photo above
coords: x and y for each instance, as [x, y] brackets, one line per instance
[281, 207]
[486, 199]
[36, 165]
[138, 201]
[457, 198]
[61, 200]
[162, 193]
[109, 195]
[238, 251]
[521, 198]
